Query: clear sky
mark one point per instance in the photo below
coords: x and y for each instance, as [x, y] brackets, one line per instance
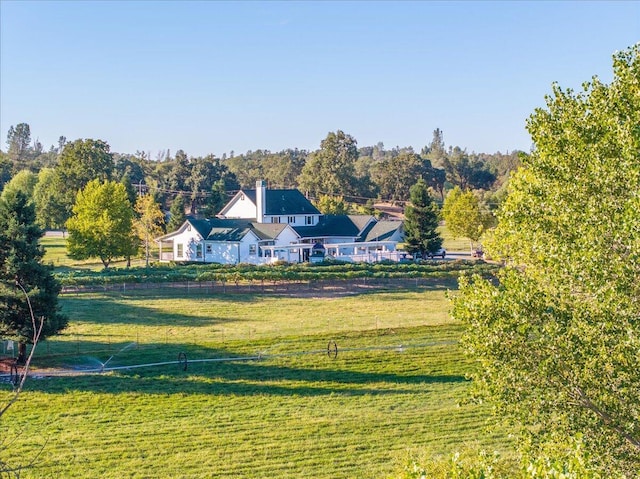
[212, 77]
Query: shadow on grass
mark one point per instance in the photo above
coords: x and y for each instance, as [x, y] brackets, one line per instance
[320, 375]
[111, 309]
[115, 307]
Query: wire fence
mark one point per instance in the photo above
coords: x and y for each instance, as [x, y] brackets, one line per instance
[322, 286]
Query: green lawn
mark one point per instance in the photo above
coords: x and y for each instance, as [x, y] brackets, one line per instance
[56, 254]
[396, 386]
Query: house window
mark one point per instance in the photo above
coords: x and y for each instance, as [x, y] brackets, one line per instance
[188, 227]
[179, 250]
[275, 219]
[252, 249]
[209, 248]
[242, 197]
[291, 220]
[308, 220]
[199, 250]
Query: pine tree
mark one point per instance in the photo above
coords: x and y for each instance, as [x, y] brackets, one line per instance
[421, 221]
[176, 213]
[22, 271]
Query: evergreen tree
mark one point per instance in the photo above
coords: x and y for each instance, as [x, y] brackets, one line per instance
[215, 201]
[132, 193]
[176, 214]
[421, 221]
[22, 271]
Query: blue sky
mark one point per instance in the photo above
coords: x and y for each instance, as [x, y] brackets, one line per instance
[212, 77]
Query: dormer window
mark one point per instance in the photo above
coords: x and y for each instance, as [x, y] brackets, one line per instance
[308, 220]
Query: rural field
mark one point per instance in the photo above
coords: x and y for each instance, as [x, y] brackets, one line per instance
[275, 386]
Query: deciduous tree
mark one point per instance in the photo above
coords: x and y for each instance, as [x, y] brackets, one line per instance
[79, 163]
[331, 205]
[557, 336]
[50, 213]
[149, 223]
[331, 169]
[101, 225]
[463, 215]
[24, 181]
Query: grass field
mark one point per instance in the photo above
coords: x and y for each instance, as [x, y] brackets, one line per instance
[56, 254]
[397, 386]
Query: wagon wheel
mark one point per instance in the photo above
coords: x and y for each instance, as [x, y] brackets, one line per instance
[332, 350]
[182, 360]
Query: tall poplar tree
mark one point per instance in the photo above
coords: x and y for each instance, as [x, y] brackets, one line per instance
[557, 334]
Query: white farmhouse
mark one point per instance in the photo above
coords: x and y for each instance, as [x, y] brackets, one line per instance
[263, 226]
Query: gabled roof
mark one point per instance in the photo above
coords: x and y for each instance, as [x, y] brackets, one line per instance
[223, 229]
[382, 230]
[284, 202]
[362, 221]
[202, 227]
[330, 225]
[266, 231]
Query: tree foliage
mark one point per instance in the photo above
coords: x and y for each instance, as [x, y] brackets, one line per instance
[19, 142]
[397, 174]
[467, 171]
[331, 205]
[149, 222]
[177, 215]
[557, 337]
[421, 223]
[79, 163]
[331, 170]
[101, 225]
[24, 181]
[21, 267]
[464, 216]
[50, 213]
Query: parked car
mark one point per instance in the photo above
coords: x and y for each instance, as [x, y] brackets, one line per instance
[478, 253]
[441, 253]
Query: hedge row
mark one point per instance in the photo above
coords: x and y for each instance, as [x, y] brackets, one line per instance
[284, 272]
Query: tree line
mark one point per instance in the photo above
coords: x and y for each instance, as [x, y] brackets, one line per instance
[338, 168]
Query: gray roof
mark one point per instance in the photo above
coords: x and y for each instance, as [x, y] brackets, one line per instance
[330, 225]
[266, 231]
[284, 202]
[382, 230]
[222, 229]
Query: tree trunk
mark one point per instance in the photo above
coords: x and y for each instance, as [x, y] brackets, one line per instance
[22, 353]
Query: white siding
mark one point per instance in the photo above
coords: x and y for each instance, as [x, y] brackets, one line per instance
[287, 236]
[222, 252]
[241, 208]
[188, 240]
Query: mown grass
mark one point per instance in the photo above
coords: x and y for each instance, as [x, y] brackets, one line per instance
[56, 254]
[296, 412]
